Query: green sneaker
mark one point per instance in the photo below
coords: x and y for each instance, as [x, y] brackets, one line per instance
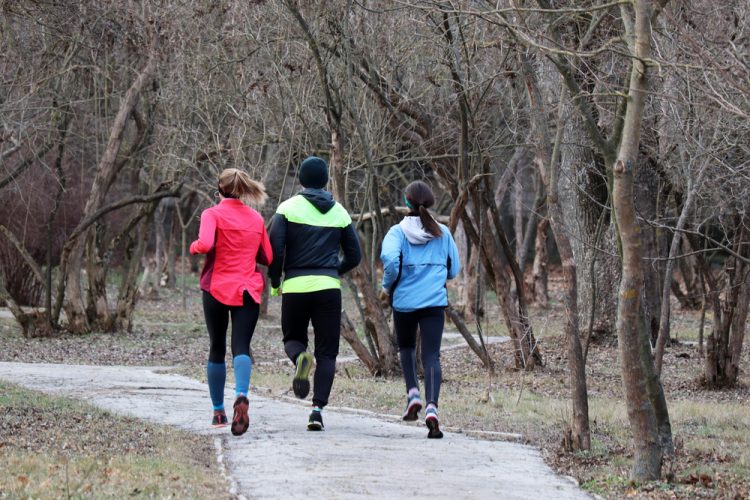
[301, 382]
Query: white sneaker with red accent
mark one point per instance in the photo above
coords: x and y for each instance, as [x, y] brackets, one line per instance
[432, 422]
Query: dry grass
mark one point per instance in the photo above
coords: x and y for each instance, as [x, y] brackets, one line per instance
[60, 448]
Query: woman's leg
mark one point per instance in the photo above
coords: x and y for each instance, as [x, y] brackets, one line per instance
[431, 323]
[244, 319]
[217, 320]
[406, 337]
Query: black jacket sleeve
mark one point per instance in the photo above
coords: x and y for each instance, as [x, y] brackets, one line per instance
[350, 247]
[277, 235]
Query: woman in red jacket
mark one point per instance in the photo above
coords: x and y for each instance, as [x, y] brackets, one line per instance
[233, 237]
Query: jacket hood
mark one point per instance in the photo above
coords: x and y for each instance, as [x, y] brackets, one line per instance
[320, 199]
[414, 230]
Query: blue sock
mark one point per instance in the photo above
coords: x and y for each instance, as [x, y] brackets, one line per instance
[243, 365]
[217, 377]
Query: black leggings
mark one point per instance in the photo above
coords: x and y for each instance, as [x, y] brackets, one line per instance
[244, 318]
[430, 321]
[323, 309]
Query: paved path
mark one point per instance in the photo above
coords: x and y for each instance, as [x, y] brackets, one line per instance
[357, 456]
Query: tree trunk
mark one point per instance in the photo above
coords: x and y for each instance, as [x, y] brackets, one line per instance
[519, 195]
[586, 205]
[97, 306]
[171, 247]
[664, 323]
[137, 239]
[724, 343]
[105, 174]
[647, 197]
[579, 434]
[537, 283]
[635, 347]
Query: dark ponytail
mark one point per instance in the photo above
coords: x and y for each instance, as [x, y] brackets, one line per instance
[419, 198]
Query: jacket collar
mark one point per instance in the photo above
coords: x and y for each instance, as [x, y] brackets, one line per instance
[231, 201]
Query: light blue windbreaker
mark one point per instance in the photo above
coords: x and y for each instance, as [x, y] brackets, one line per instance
[427, 263]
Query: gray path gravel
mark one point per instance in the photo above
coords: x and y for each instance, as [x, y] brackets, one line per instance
[357, 456]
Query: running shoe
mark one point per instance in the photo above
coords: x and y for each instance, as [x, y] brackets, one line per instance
[413, 405]
[300, 383]
[220, 419]
[240, 420]
[315, 422]
[431, 420]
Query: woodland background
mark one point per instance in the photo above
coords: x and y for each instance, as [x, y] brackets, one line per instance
[606, 140]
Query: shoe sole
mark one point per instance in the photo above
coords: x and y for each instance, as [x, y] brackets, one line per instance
[314, 426]
[434, 427]
[412, 411]
[240, 420]
[219, 426]
[300, 383]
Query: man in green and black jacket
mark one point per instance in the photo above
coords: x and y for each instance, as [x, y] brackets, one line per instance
[308, 232]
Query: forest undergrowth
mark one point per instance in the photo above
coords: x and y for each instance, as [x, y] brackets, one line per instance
[711, 428]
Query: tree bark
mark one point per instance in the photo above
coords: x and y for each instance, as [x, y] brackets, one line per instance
[548, 160]
[635, 347]
[537, 284]
[724, 343]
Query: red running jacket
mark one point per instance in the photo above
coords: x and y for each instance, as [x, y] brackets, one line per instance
[234, 238]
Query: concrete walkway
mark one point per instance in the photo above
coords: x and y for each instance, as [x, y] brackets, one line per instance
[357, 456]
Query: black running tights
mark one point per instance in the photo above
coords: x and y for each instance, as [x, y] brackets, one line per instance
[217, 315]
[430, 321]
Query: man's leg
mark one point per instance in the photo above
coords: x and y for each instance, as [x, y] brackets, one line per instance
[326, 321]
[295, 316]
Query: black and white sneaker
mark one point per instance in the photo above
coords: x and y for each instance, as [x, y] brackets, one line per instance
[315, 422]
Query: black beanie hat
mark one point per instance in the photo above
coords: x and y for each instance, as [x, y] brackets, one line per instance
[313, 173]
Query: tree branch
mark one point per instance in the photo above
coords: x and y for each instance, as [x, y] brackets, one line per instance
[25, 254]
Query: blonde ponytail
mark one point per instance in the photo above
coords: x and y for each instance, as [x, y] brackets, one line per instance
[236, 183]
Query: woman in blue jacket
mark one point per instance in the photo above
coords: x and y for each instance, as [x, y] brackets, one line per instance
[419, 256]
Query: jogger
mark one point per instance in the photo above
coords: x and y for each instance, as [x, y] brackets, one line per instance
[307, 233]
[418, 256]
[234, 238]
